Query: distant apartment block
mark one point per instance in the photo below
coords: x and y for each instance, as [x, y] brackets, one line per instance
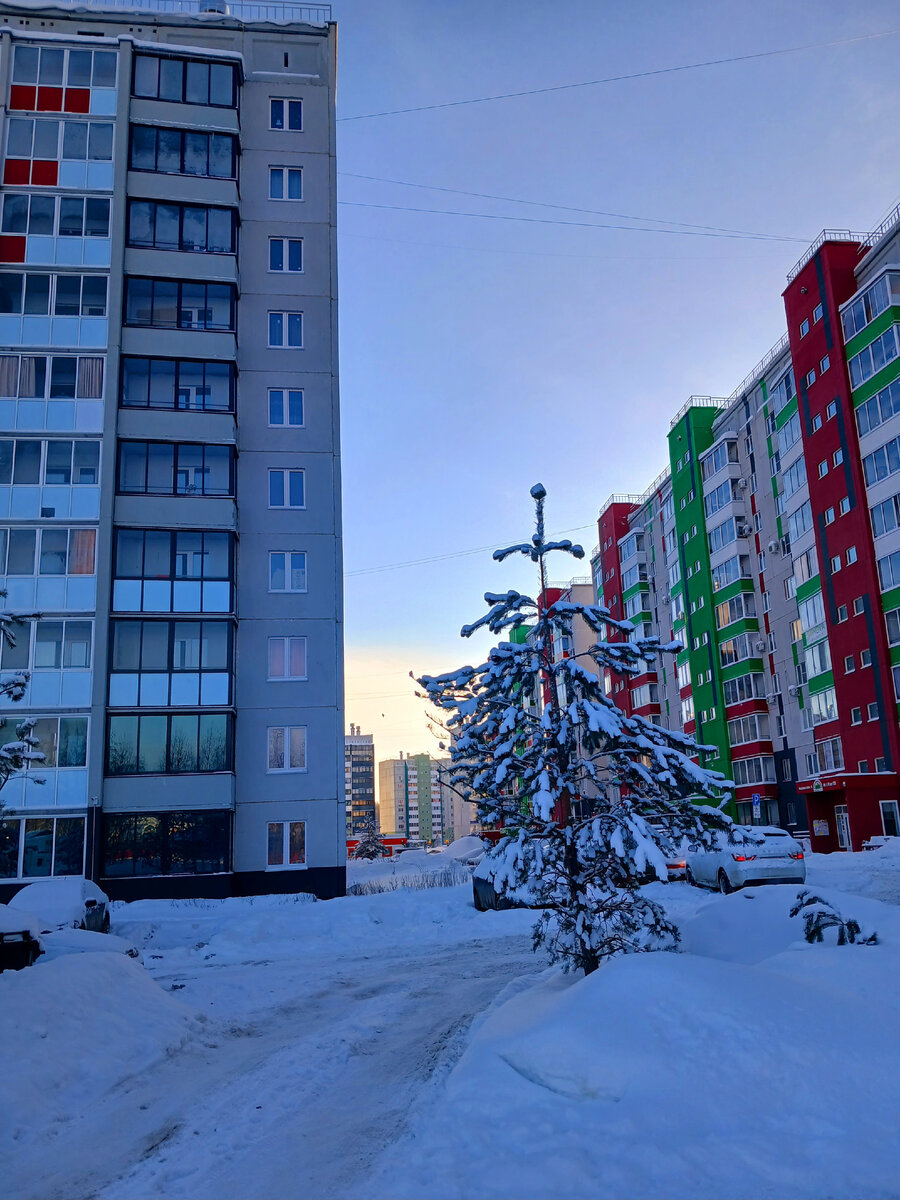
[169, 461]
[359, 780]
[413, 798]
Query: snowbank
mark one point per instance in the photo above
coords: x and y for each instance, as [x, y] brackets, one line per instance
[415, 869]
[751, 1065]
[72, 1030]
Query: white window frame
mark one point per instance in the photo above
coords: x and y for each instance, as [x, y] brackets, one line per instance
[289, 591]
[286, 408]
[286, 864]
[285, 256]
[287, 103]
[287, 471]
[286, 732]
[286, 658]
[285, 198]
[285, 315]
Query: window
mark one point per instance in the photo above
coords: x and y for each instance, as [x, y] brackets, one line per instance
[158, 225]
[175, 469]
[687, 710]
[156, 570]
[804, 327]
[174, 843]
[173, 744]
[831, 410]
[287, 571]
[178, 383]
[286, 844]
[824, 364]
[287, 489]
[727, 572]
[800, 522]
[794, 478]
[41, 846]
[56, 295]
[185, 80]
[829, 516]
[735, 650]
[849, 664]
[745, 687]
[286, 330]
[287, 748]
[171, 304]
[47, 66]
[866, 307]
[726, 452]
[55, 377]
[865, 658]
[789, 433]
[285, 254]
[48, 140]
[838, 457]
[823, 468]
[812, 612]
[62, 216]
[49, 645]
[782, 393]
[285, 407]
[285, 183]
[863, 766]
[58, 462]
[817, 313]
[739, 607]
[747, 771]
[287, 658]
[754, 728]
[722, 496]
[883, 350]
[817, 659]
[881, 764]
[880, 408]
[817, 422]
[845, 506]
[856, 716]
[842, 613]
[810, 377]
[824, 706]
[827, 756]
[292, 110]
[859, 606]
[183, 152]
[835, 564]
[58, 551]
[178, 664]
[850, 556]
[873, 712]
[722, 535]
[890, 818]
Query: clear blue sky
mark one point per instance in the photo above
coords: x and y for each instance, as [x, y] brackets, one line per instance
[478, 356]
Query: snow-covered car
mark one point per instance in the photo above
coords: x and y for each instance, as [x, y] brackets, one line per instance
[19, 938]
[65, 902]
[85, 941]
[756, 854]
[485, 895]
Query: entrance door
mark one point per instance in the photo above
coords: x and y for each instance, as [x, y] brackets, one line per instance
[843, 826]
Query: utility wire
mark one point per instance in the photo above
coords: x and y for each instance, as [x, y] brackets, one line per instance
[594, 212]
[565, 87]
[418, 562]
[454, 212]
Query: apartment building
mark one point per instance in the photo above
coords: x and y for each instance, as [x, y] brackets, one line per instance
[359, 780]
[770, 548]
[169, 466]
[414, 800]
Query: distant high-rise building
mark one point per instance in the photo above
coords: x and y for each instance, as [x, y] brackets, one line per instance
[168, 388]
[359, 780]
[411, 797]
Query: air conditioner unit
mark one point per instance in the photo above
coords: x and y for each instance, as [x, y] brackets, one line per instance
[774, 546]
[771, 697]
[760, 644]
[665, 597]
[794, 689]
[743, 485]
[744, 530]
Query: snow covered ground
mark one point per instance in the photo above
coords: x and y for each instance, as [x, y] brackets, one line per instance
[401, 1044]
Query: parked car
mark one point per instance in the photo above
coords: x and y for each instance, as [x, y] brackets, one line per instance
[758, 854]
[85, 941]
[19, 939]
[65, 902]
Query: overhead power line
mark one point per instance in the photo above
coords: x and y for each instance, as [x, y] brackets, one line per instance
[565, 87]
[455, 212]
[594, 212]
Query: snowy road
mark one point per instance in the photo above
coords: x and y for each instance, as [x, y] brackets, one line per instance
[300, 1078]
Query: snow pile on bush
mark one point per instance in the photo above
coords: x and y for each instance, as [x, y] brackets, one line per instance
[751, 1065]
[73, 1029]
[414, 869]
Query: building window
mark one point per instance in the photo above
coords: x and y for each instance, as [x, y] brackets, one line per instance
[856, 716]
[287, 658]
[169, 304]
[53, 295]
[824, 364]
[829, 516]
[183, 152]
[831, 411]
[286, 330]
[823, 468]
[849, 664]
[863, 766]
[60, 216]
[842, 613]
[873, 711]
[865, 658]
[285, 254]
[60, 552]
[817, 313]
[285, 407]
[173, 744]
[859, 606]
[880, 764]
[287, 571]
[285, 183]
[175, 469]
[41, 846]
[883, 350]
[804, 328]
[810, 377]
[287, 489]
[835, 564]
[286, 114]
[286, 844]
[817, 422]
[185, 81]
[187, 227]
[845, 506]
[287, 748]
[156, 570]
[178, 383]
[170, 664]
[838, 457]
[890, 818]
[175, 843]
[52, 143]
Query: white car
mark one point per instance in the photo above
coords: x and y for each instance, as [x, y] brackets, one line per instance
[758, 854]
[65, 902]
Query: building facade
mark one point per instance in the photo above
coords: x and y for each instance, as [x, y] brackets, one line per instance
[770, 549]
[413, 798]
[359, 780]
[170, 491]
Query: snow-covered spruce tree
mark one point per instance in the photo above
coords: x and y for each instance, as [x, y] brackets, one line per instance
[16, 755]
[590, 800]
[370, 845]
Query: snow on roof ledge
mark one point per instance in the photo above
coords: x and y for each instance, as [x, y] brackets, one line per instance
[244, 11]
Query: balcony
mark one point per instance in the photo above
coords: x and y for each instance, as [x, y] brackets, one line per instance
[240, 10]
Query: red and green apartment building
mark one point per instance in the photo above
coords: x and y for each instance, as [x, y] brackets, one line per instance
[770, 548]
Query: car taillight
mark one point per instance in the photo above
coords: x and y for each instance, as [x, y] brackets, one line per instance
[799, 854]
[743, 857]
[677, 866]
